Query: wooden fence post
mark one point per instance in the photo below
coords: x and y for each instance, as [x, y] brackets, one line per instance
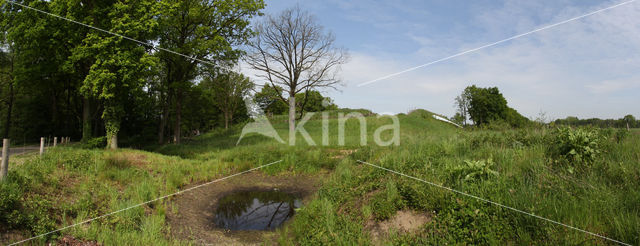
[4, 167]
[41, 146]
[55, 141]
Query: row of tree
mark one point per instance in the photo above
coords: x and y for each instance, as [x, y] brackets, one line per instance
[154, 68]
[272, 102]
[139, 72]
[485, 105]
[627, 121]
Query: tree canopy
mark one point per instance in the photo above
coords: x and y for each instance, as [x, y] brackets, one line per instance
[139, 73]
[486, 105]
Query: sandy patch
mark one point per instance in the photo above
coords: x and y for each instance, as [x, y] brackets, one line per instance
[404, 221]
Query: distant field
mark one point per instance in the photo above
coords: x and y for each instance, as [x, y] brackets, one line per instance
[356, 203]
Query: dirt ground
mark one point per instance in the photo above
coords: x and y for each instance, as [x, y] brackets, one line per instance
[192, 214]
[404, 221]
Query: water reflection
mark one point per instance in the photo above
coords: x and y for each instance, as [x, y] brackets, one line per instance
[255, 210]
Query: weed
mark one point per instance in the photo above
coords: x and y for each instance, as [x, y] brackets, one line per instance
[474, 170]
[577, 146]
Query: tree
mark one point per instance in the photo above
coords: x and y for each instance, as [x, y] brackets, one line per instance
[41, 47]
[458, 119]
[120, 65]
[229, 90]
[630, 121]
[462, 102]
[312, 101]
[486, 104]
[7, 85]
[202, 32]
[268, 99]
[293, 51]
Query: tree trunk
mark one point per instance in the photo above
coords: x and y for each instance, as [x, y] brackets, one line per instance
[226, 120]
[113, 141]
[177, 129]
[292, 117]
[304, 104]
[86, 119]
[7, 127]
[164, 119]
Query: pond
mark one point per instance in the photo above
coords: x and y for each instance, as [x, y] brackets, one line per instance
[255, 210]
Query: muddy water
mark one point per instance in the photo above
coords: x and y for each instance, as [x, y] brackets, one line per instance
[255, 210]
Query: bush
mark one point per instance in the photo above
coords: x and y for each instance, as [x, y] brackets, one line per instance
[96, 143]
[10, 205]
[577, 146]
[621, 134]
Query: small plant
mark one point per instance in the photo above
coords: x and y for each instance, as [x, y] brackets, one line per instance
[579, 145]
[117, 161]
[621, 134]
[95, 143]
[475, 170]
[385, 204]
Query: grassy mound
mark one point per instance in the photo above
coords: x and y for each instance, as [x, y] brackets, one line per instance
[516, 168]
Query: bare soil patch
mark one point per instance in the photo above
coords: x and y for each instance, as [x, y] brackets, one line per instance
[404, 221]
[192, 214]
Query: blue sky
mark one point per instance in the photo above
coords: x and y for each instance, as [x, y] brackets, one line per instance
[586, 68]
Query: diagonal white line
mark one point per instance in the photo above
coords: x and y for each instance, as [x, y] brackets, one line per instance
[494, 43]
[138, 205]
[495, 203]
[112, 33]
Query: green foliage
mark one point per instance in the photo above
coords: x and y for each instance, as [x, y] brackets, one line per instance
[487, 106]
[467, 223]
[95, 182]
[621, 135]
[515, 119]
[629, 120]
[385, 204]
[313, 102]
[474, 170]
[319, 224]
[10, 205]
[89, 83]
[94, 143]
[269, 100]
[458, 119]
[577, 146]
[228, 91]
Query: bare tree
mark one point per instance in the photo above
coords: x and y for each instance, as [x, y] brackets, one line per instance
[291, 50]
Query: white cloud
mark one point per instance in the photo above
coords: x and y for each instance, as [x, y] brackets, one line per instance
[558, 70]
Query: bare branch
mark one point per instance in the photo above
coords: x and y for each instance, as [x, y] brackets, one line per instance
[293, 51]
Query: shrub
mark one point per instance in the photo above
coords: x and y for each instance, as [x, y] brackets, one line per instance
[95, 143]
[621, 134]
[578, 146]
[10, 205]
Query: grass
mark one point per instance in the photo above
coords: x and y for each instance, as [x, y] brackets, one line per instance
[511, 167]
